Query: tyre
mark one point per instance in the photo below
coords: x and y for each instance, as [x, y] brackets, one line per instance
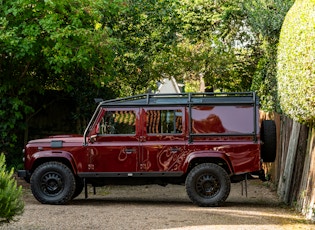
[208, 184]
[53, 183]
[269, 141]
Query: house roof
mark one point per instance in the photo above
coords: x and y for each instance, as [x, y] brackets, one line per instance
[169, 85]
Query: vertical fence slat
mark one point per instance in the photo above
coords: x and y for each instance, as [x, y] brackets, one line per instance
[299, 165]
[307, 190]
[286, 177]
[277, 164]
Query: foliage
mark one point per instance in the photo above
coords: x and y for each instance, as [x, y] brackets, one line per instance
[264, 79]
[12, 110]
[296, 63]
[213, 44]
[47, 45]
[63, 36]
[11, 203]
[83, 94]
[264, 18]
[184, 39]
[146, 31]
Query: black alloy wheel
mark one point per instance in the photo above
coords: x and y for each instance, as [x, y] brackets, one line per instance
[208, 184]
[53, 183]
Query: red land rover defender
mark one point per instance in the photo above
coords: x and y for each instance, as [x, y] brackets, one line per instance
[204, 141]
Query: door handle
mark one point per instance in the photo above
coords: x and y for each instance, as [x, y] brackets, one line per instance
[174, 150]
[129, 151]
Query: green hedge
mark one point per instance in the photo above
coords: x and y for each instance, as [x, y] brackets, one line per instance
[296, 62]
[11, 203]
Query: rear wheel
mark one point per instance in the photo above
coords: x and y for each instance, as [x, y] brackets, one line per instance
[208, 185]
[53, 183]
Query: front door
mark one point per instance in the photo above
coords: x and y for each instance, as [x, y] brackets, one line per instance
[116, 146]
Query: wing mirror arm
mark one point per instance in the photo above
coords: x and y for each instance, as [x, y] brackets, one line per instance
[92, 138]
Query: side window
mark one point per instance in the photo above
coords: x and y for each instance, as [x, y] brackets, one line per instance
[164, 121]
[118, 122]
[222, 119]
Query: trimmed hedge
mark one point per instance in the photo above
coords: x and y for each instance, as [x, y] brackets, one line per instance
[296, 62]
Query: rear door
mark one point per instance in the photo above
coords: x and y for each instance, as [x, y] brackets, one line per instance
[163, 140]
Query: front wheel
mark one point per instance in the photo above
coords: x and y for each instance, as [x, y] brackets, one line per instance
[53, 183]
[208, 184]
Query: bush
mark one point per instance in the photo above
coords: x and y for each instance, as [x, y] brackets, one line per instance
[296, 62]
[11, 203]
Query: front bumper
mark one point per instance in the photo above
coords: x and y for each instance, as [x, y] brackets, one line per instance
[24, 174]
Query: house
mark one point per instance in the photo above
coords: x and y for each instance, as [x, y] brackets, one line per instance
[169, 85]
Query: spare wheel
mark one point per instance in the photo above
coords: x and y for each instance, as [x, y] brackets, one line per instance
[269, 140]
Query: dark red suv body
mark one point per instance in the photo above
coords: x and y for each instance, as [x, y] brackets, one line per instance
[205, 141]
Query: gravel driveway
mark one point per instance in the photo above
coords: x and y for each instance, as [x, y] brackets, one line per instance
[155, 207]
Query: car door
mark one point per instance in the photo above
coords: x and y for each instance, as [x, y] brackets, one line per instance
[163, 145]
[116, 145]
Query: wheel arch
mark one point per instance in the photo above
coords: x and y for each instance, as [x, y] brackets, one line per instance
[217, 158]
[48, 156]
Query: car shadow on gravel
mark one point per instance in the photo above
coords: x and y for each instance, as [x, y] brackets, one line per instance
[167, 202]
[175, 195]
[258, 196]
[128, 201]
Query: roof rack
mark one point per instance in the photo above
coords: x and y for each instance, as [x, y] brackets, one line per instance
[184, 99]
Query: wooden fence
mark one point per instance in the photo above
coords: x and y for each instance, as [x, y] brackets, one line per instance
[294, 169]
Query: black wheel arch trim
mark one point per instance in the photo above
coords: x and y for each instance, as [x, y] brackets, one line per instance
[53, 155]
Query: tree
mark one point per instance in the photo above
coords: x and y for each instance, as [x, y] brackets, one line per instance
[296, 64]
[214, 44]
[49, 45]
[146, 31]
[264, 19]
[11, 203]
[184, 39]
